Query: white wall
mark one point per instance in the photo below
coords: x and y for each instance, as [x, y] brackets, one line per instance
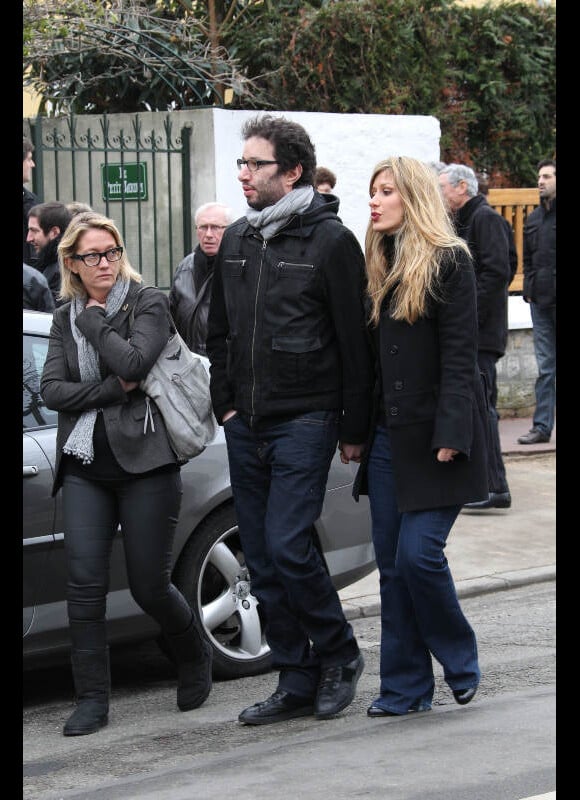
[518, 313]
[348, 144]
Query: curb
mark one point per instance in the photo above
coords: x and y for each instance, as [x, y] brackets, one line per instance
[370, 606]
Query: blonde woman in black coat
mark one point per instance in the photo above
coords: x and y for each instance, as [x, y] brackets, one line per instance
[114, 462]
[426, 455]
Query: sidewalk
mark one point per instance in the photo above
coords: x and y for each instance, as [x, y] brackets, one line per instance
[495, 549]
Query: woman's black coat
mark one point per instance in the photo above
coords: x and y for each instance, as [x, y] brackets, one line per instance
[432, 397]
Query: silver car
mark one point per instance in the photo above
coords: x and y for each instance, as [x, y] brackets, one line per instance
[209, 566]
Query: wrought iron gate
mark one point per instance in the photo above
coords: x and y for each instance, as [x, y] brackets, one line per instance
[139, 177]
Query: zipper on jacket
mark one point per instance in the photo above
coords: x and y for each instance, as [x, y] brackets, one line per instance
[252, 402]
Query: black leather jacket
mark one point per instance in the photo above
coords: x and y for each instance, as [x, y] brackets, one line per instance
[287, 322]
[540, 256]
[36, 292]
[189, 298]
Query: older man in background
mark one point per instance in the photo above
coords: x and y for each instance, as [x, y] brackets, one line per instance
[190, 291]
[484, 231]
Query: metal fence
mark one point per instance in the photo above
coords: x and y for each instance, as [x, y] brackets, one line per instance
[138, 176]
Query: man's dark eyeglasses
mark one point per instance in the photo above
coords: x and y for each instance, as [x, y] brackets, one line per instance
[94, 259]
[253, 164]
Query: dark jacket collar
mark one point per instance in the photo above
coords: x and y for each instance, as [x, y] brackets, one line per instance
[468, 209]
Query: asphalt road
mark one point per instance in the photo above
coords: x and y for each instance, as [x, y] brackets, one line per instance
[500, 747]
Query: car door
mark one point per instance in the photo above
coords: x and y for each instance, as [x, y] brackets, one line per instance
[38, 507]
[38, 512]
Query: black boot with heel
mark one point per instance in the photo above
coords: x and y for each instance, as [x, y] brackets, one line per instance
[193, 655]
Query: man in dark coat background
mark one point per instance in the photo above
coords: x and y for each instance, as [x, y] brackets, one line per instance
[540, 293]
[29, 199]
[46, 224]
[484, 231]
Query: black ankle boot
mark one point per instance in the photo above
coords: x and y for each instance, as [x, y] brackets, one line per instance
[193, 655]
[92, 682]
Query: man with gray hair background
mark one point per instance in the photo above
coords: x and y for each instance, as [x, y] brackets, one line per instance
[190, 291]
[484, 231]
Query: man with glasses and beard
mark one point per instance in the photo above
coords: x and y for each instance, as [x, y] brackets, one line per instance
[291, 377]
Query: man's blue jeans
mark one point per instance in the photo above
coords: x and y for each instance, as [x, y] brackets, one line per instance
[420, 612]
[279, 478]
[544, 334]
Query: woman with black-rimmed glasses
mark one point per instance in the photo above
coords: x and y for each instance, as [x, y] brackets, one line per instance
[113, 469]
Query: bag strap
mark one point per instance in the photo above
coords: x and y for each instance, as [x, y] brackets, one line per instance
[132, 312]
[199, 297]
[201, 293]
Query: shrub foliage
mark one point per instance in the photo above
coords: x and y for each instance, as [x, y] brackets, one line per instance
[487, 73]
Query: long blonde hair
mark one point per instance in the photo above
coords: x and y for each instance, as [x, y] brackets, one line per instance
[70, 283]
[420, 245]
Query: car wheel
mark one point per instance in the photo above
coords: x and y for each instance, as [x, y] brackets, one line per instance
[212, 574]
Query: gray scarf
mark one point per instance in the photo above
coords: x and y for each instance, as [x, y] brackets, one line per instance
[80, 441]
[272, 218]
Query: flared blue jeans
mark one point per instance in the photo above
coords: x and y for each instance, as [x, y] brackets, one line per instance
[420, 612]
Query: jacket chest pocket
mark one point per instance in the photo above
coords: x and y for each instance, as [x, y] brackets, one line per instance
[233, 267]
[295, 271]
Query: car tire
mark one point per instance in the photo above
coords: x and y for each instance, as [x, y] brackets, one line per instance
[212, 575]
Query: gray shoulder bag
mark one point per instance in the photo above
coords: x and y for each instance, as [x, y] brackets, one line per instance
[179, 384]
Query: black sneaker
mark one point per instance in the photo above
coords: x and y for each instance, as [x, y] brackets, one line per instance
[337, 688]
[278, 707]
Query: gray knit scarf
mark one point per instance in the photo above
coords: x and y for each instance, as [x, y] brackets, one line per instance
[80, 441]
[272, 218]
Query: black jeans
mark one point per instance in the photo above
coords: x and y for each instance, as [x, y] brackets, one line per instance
[496, 477]
[147, 509]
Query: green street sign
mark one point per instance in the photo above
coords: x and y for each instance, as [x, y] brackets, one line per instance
[124, 181]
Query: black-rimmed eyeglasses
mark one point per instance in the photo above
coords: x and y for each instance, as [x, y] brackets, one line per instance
[94, 259]
[253, 164]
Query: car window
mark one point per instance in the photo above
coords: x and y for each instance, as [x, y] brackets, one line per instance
[34, 413]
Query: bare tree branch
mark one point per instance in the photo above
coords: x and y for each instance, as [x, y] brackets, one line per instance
[86, 53]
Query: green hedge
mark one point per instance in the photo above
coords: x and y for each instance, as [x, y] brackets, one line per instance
[488, 73]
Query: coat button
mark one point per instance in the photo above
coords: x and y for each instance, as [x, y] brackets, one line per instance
[398, 385]
[393, 411]
[393, 350]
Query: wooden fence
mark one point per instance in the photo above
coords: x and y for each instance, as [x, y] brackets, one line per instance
[515, 205]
